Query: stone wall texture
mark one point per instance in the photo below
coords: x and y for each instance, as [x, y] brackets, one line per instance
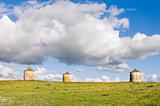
[67, 78]
[29, 75]
[136, 77]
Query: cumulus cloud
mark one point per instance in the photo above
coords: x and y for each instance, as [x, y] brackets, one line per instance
[42, 74]
[7, 73]
[114, 10]
[141, 46]
[119, 23]
[117, 67]
[104, 78]
[153, 78]
[75, 34]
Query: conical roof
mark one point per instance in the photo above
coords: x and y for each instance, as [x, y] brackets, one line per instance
[135, 70]
[29, 69]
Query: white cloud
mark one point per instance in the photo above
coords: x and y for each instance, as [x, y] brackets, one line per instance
[104, 78]
[41, 74]
[119, 23]
[141, 46]
[73, 34]
[153, 78]
[7, 73]
[114, 10]
[118, 67]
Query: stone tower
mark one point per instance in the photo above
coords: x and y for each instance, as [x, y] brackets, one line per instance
[67, 77]
[135, 76]
[29, 74]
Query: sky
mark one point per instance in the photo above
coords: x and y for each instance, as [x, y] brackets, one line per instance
[95, 40]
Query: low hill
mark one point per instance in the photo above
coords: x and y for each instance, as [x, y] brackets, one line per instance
[41, 93]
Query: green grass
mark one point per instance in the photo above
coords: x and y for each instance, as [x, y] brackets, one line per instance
[41, 93]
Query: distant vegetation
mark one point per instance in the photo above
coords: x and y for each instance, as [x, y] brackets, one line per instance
[39, 93]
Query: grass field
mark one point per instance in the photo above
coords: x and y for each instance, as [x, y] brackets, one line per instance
[40, 93]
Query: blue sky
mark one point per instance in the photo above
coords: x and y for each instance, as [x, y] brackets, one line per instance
[144, 17]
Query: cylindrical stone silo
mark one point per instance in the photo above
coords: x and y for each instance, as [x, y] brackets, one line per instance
[135, 76]
[67, 77]
[29, 74]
